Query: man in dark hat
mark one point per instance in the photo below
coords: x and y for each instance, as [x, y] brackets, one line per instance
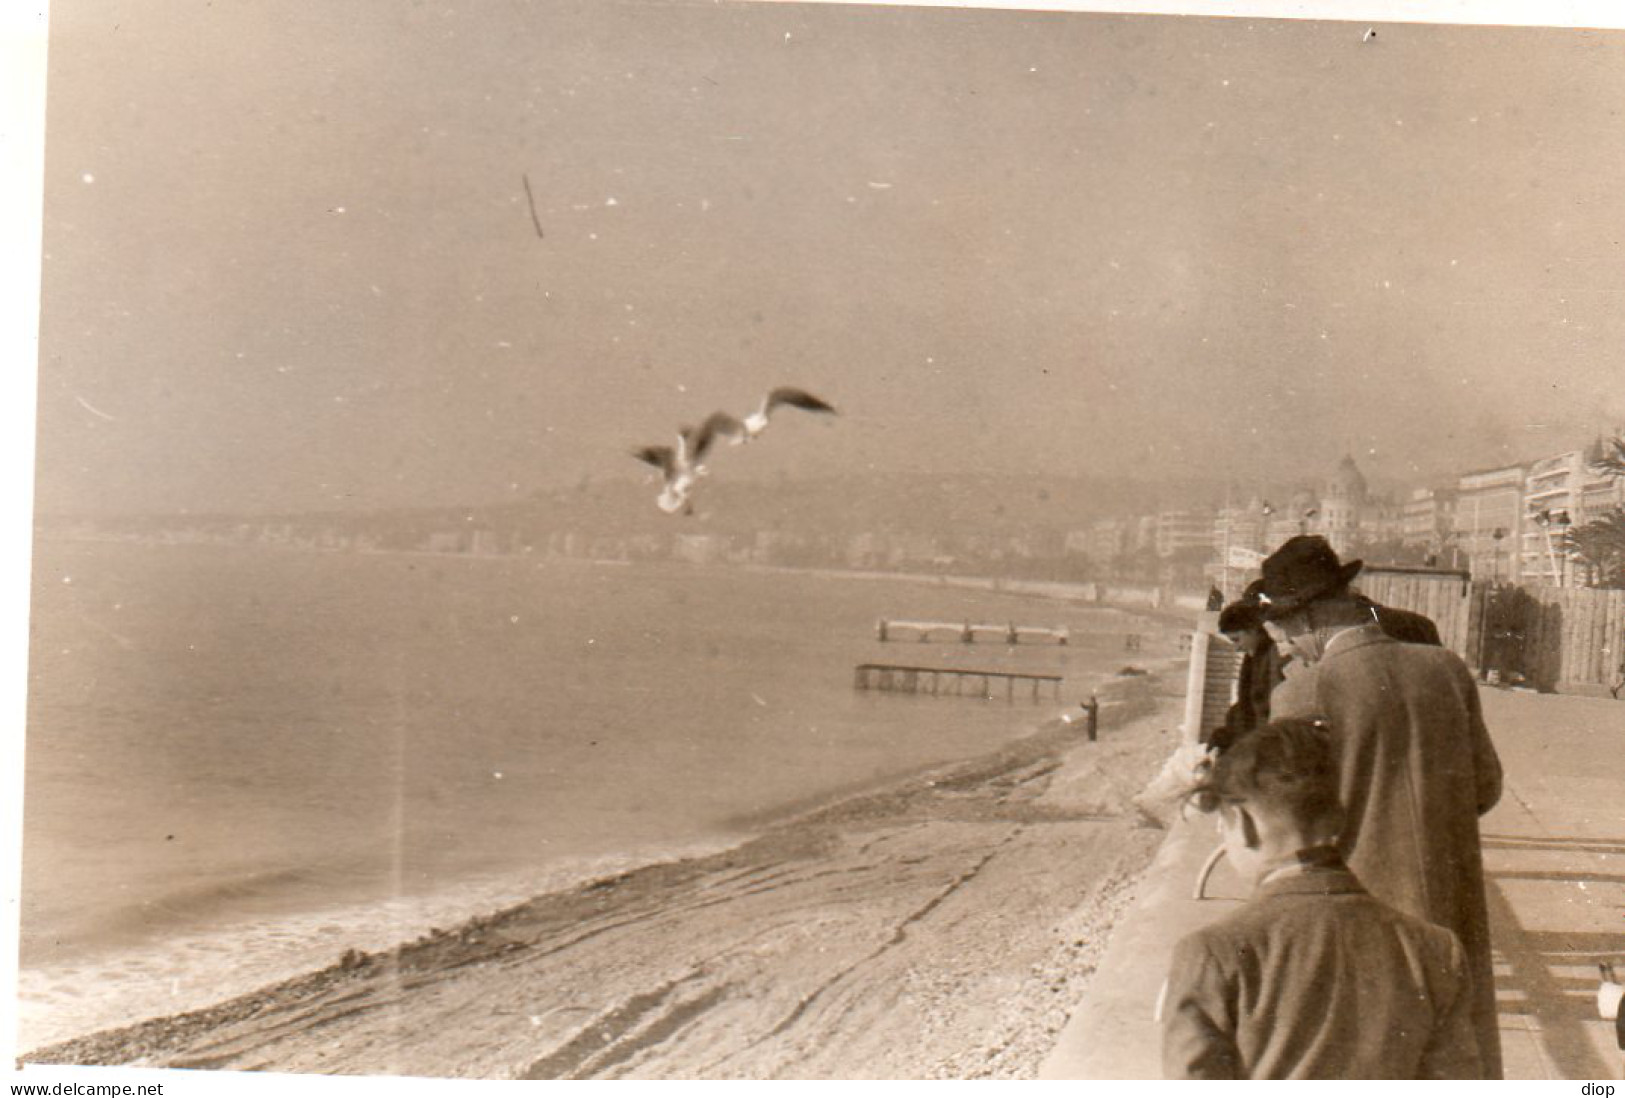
[1263, 664]
[1416, 763]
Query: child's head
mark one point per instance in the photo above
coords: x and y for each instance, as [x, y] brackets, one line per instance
[1276, 793]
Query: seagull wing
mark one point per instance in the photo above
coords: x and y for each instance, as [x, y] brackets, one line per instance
[717, 425]
[796, 398]
[661, 457]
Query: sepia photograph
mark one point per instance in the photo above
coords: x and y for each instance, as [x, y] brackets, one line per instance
[700, 540]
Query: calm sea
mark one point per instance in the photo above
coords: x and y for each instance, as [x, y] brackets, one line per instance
[241, 762]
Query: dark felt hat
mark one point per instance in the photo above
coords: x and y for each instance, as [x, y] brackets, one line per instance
[1245, 612]
[1302, 570]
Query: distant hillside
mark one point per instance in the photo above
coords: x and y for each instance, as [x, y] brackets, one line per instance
[920, 504]
[897, 504]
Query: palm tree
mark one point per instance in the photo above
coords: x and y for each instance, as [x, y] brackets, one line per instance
[1608, 457]
[1600, 543]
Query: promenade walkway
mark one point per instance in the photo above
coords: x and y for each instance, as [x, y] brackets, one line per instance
[1554, 850]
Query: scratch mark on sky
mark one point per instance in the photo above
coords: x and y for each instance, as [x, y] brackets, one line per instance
[91, 408]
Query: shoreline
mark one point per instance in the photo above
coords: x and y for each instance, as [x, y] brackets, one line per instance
[1095, 594]
[272, 950]
[818, 834]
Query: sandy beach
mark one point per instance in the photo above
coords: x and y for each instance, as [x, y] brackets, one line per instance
[940, 927]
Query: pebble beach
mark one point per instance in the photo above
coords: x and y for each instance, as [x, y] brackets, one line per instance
[941, 926]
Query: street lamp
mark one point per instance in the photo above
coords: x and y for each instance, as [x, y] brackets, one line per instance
[1560, 519]
[1546, 520]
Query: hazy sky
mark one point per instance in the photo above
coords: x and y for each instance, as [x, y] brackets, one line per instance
[289, 263]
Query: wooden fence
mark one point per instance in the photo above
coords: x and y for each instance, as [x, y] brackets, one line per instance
[1445, 596]
[1557, 638]
[1552, 638]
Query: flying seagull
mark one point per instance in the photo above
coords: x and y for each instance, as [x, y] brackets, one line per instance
[756, 422]
[681, 466]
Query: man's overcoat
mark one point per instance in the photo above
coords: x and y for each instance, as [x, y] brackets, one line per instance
[1417, 769]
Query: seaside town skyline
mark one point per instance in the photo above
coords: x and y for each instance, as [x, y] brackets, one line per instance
[1507, 524]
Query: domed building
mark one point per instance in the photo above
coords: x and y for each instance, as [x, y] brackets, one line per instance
[1343, 500]
[1341, 509]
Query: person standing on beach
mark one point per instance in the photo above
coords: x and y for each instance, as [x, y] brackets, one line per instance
[1416, 762]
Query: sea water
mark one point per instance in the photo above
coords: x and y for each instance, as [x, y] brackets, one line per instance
[242, 761]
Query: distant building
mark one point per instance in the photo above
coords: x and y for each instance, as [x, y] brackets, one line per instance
[1179, 530]
[1108, 539]
[1489, 522]
[909, 548]
[1380, 522]
[1427, 520]
[863, 550]
[645, 546]
[1142, 534]
[1046, 543]
[1299, 515]
[607, 548]
[1343, 505]
[767, 545]
[774, 546]
[982, 547]
[1561, 492]
[1551, 503]
[566, 543]
[1245, 528]
[698, 548]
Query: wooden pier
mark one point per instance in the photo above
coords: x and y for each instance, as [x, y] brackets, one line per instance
[966, 632]
[903, 679]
